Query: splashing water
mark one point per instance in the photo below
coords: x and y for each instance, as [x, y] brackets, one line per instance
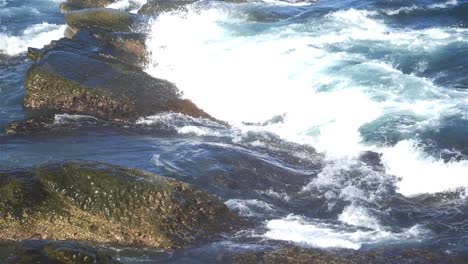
[310, 75]
[338, 84]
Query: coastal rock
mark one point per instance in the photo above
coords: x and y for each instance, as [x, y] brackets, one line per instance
[103, 203]
[58, 252]
[122, 47]
[79, 76]
[34, 54]
[154, 7]
[101, 20]
[71, 5]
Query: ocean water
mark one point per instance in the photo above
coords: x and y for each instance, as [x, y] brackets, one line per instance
[311, 92]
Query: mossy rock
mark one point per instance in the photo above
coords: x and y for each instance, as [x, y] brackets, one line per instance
[70, 80]
[101, 19]
[71, 5]
[154, 7]
[104, 203]
[58, 252]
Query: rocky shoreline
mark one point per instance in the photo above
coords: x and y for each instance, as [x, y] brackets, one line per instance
[97, 70]
[63, 212]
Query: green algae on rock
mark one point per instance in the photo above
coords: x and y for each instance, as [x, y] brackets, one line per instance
[104, 203]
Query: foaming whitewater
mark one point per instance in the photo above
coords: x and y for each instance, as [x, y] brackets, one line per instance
[315, 82]
[449, 3]
[422, 173]
[250, 208]
[256, 71]
[131, 5]
[315, 233]
[35, 36]
[325, 96]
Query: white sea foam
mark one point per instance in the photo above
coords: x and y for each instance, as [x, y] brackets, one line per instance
[337, 181]
[318, 234]
[182, 123]
[286, 71]
[250, 207]
[35, 36]
[421, 173]
[362, 25]
[449, 3]
[61, 119]
[324, 97]
[359, 216]
[406, 9]
[280, 195]
[291, 2]
[131, 5]
[258, 70]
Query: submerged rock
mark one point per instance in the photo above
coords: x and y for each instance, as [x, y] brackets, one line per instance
[30, 125]
[104, 203]
[58, 252]
[84, 76]
[154, 7]
[123, 47]
[70, 5]
[296, 255]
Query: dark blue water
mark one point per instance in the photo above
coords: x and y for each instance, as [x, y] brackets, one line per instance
[348, 77]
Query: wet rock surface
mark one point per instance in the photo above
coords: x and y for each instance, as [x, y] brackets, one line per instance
[102, 19]
[73, 76]
[57, 252]
[96, 70]
[154, 7]
[121, 47]
[128, 43]
[109, 204]
[29, 126]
